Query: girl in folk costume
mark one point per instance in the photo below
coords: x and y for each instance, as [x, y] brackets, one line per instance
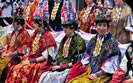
[67, 55]
[16, 43]
[71, 45]
[55, 7]
[35, 62]
[124, 74]
[120, 14]
[101, 57]
[87, 17]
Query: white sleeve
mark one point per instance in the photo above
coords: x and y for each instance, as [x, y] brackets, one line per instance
[51, 53]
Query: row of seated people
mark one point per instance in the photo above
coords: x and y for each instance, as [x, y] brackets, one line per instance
[74, 63]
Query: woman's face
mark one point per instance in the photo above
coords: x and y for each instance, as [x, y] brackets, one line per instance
[102, 28]
[117, 2]
[16, 25]
[88, 2]
[56, 0]
[67, 30]
[36, 26]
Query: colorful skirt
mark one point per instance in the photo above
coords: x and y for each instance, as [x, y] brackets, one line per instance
[29, 73]
[84, 78]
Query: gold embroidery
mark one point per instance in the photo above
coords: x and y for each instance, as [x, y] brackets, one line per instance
[54, 11]
[13, 39]
[86, 14]
[35, 45]
[28, 10]
[117, 13]
[98, 46]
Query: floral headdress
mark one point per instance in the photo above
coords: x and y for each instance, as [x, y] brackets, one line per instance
[103, 14]
[18, 11]
[68, 12]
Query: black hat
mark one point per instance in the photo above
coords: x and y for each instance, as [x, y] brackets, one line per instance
[39, 21]
[70, 24]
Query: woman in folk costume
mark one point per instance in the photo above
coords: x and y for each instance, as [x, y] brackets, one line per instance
[101, 57]
[18, 40]
[87, 17]
[41, 46]
[124, 74]
[120, 14]
[55, 7]
[71, 45]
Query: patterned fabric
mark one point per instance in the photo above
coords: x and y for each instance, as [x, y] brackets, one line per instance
[66, 47]
[68, 12]
[117, 29]
[46, 10]
[118, 76]
[36, 42]
[30, 73]
[42, 6]
[117, 13]
[86, 14]
[77, 43]
[42, 10]
[83, 78]
[125, 71]
[109, 49]
[54, 11]
[56, 23]
[29, 9]
[13, 40]
[98, 46]
[22, 39]
[3, 37]
[86, 27]
[54, 77]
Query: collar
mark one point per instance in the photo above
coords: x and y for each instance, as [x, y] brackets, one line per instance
[70, 35]
[91, 5]
[121, 5]
[105, 35]
[18, 29]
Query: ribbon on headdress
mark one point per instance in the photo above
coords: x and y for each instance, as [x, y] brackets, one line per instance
[68, 12]
[43, 6]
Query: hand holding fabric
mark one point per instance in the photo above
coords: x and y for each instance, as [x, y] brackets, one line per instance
[92, 76]
[26, 62]
[6, 55]
[128, 81]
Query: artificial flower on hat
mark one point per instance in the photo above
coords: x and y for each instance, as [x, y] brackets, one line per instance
[68, 12]
[42, 10]
[103, 14]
